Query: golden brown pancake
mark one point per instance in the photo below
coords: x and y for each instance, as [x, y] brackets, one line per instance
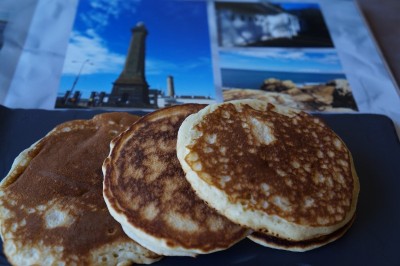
[274, 169]
[51, 205]
[146, 191]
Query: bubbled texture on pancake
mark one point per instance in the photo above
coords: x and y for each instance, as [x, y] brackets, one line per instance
[146, 190]
[271, 168]
[51, 205]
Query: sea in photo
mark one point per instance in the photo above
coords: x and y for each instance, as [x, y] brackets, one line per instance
[253, 79]
[306, 79]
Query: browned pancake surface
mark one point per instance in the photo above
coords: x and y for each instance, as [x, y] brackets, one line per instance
[144, 182]
[302, 173]
[57, 198]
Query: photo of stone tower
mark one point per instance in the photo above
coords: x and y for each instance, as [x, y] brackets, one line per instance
[131, 89]
[125, 61]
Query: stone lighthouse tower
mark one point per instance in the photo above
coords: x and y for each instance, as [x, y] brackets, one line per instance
[131, 88]
[170, 87]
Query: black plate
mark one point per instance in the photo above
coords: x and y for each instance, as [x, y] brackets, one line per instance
[372, 240]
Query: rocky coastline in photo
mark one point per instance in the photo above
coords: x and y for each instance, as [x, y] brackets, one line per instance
[335, 95]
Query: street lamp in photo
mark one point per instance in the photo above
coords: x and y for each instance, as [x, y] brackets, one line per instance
[77, 76]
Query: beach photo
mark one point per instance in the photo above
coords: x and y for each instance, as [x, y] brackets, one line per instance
[271, 24]
[135, 54]
[308, 79]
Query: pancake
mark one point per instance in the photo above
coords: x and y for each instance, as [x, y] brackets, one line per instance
[146, 191]
[51, 206]
[274, 169]
[302, 245]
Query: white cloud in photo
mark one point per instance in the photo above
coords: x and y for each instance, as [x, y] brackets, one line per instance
[269, 53]
[300, 55]
[199, 62]
[295, 60]
[161, 67]
[100, 59]
[91, 48]
[103, 10]
[156, 67]
[332, 58]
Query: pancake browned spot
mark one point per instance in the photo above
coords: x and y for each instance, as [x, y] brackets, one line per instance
[51, 205]
[146, 191]
[271, 168]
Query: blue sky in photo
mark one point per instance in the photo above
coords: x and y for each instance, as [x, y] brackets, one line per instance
[285, 60]
[297, 6]
[178, 44]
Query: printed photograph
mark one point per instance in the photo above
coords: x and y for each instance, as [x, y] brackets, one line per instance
[269, 24]
[137, 54]
[306, 79]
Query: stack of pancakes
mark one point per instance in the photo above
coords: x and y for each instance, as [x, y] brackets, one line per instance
[180, 181]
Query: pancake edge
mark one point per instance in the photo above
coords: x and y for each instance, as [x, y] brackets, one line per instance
[299, 246]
